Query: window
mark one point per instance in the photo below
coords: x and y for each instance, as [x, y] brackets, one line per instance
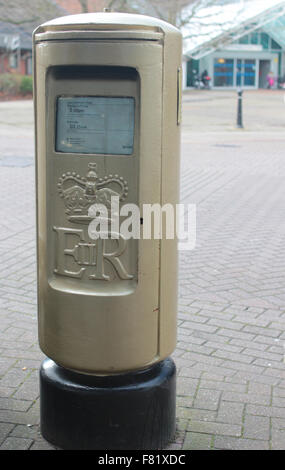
[249, 72]
[239, 73]
[244, 40]
[274, 45]
[223, 72]
[264, 40]
[13, 60]
[245, 72]
[254, 38]
[192, 71]
[29, 65]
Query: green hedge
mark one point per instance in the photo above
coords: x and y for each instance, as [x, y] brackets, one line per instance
[26, 85]
[14, 84]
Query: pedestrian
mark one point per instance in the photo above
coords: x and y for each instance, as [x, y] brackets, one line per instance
[270, 80]
[205, 79]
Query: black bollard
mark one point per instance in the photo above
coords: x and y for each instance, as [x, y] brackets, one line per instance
[130, 411]
[239, 112]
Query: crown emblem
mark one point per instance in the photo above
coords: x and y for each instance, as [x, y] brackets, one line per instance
[79, 193]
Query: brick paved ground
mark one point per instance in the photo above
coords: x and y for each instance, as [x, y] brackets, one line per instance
[230, 354]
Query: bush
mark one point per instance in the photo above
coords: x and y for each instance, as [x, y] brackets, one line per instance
[26, 85]
[10, 83]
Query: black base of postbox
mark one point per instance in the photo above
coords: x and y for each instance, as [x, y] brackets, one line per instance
[125, 411]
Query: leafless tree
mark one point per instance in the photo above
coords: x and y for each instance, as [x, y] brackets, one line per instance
[195, 16]
[177, 12]
[84, 5]
[168, 10]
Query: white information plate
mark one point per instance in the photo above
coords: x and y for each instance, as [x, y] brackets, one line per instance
[95, 124]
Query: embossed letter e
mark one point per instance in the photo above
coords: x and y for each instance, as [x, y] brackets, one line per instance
[62, 251]
[92, 255]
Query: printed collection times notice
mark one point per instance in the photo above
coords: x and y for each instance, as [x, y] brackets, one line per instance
[102, 125]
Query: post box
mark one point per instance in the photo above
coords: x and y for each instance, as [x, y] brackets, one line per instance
[107, 114]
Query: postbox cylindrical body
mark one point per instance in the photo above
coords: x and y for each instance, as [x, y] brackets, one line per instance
[107, 106]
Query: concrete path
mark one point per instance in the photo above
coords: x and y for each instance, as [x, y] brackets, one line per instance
[230, 352]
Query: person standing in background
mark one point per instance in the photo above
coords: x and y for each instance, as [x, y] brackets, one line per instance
[270, 80]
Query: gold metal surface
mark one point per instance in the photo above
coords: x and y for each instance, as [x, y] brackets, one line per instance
[114, 312]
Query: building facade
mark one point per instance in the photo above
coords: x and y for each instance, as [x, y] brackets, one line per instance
[239, 47]
[15, 51]
[18, 19]
[245, 63]
[74, 7]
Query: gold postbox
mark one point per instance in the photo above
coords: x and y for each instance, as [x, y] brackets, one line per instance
[107, 113]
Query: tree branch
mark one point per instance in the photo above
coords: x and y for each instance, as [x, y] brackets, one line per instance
[84, 5]
[9, 20]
